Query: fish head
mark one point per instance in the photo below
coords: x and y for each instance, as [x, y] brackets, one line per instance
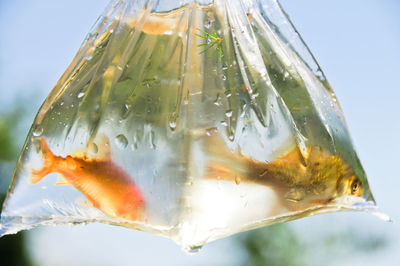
[329, 180]
[349, 185]
[353, 191]
[343, 182]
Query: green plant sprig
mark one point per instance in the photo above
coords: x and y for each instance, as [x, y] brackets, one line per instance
[215, 40]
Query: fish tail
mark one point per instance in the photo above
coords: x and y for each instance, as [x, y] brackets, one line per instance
[224, 164]
[220, 171]
[48, 162]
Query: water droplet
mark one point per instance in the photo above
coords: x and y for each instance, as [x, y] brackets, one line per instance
[210, 131]
[187, 97]
[217, 101]
[192, 250]
[172, 121]
[121, 141]
[37, 131]
[237, 180]
[286, 74]
[126, 109]
[93, 149]
[152, 140]
[61, 103]
[229, 113]
[134, 146]
[80, 95]
[89, 57]
[172, 125]
[224, 123]
[223, 77]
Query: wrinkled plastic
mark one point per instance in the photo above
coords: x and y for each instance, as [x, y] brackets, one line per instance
[193, 120]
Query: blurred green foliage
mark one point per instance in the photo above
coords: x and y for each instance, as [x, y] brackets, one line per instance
[8, 125]
[272, 245]
[281, 245]
[13, 251]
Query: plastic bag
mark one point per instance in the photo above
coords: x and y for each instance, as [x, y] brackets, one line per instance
[192, 120]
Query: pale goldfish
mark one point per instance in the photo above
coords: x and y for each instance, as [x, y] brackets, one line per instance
[106, 185]
[300, 180]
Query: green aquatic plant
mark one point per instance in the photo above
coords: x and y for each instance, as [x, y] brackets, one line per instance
[211, 40]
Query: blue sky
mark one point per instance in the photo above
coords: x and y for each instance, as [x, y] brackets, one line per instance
[356, 43]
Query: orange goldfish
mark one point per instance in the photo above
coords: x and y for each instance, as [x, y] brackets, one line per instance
[301, 182]
[107, 186]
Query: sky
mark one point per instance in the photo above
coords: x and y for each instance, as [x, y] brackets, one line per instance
[355, 42]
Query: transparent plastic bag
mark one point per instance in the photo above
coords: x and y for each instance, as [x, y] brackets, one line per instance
[193, 120]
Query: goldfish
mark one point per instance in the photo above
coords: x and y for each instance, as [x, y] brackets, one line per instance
[301, 181]
[106, 185]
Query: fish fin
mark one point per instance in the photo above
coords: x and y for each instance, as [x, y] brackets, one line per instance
[62, 180]
[48, 162]
[94, 203]
[86, 203]
[296, 155]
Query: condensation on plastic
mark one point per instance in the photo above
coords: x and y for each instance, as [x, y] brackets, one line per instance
[189, 145]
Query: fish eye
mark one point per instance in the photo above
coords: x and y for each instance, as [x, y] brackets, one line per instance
[355, 187]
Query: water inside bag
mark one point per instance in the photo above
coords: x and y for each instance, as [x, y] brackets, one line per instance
[193, 120]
